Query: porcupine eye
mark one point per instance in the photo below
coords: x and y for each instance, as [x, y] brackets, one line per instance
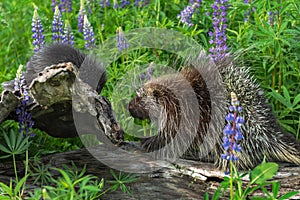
[156, 95]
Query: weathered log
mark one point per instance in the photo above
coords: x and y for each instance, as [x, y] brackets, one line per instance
[185, 179]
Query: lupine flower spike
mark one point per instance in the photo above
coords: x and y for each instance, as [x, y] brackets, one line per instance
[116, 5]
[121, 40]
[37, 32]
[81, 16]
[53, 4]
[137, 3]
[219, 49]
[186, 14]
[57, 26]
[90, 5]
[68, 37]
[271, 16]
[141, 3]
[24, 117]
[104, 3]
[63, 5]
[124, 3]
[232, 131]
[250, 9]
[88, 34]
[147, 76]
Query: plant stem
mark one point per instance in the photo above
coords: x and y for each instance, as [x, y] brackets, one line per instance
[231, 180]
[15, 167]
[26, 168]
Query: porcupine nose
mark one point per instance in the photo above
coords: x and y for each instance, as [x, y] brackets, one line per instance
[137, 109]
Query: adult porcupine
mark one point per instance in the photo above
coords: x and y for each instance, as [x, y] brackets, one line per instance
[166, 101]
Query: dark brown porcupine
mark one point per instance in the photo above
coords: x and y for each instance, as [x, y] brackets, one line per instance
[169, 101]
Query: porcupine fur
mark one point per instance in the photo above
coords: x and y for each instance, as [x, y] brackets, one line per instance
[161, 100]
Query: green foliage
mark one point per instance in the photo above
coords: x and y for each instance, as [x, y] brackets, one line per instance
[271, 50]
[259, 180]
[121, 181]
[72, 184]
[40, 172]
[289, 116]
[7, 192]
[16, 143]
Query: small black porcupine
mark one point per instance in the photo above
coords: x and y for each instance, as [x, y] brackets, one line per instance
[61, 53]
[166, 101]
[62, 114]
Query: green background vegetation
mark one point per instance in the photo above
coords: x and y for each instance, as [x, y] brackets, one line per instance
[270, 50]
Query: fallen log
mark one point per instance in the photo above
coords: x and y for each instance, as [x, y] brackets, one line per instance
[185, 179]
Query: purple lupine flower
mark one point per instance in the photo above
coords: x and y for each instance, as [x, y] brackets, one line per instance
[145, 2]
[90, 5]
[68, 37]
[141, 3]
[37, 32]
[88, 34]
[104, 3]
[149, 72]
[24, 117]
[124, 3]
[121, 40]
[81, 16]
[186, 14]
[197, 1]
[232, 131]
[65, 5]
[137, 3]
[251, 9]
[53, 4]
[57, 26]
[219, 49]
[116, 5]
[271, 16]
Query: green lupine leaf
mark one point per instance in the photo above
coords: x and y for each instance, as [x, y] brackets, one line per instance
[7, 142]
[20, 138]
[275, 188]
[296, 100]
[12, 137]
[263, 172]
[286, 95]
[4, 149]
[20, 184]
[277, 48]
[280, 98]
[288, 195]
